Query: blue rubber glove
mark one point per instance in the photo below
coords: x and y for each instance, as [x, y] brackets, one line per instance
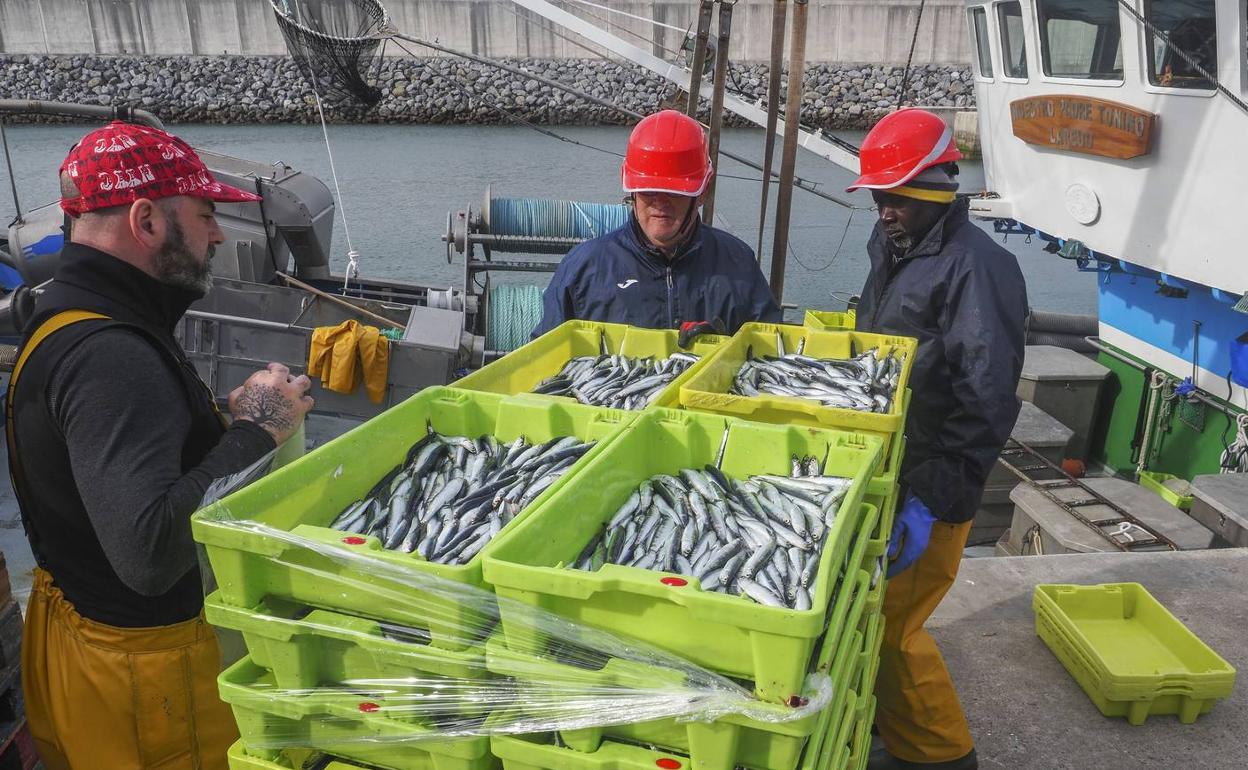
[911, 531]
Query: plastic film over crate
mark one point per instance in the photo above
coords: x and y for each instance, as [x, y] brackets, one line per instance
[330, 679]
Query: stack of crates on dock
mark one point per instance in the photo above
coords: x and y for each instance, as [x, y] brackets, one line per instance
[300, 636]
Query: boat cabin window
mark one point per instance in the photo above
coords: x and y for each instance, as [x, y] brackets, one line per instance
[1187, 25]
[1013, 44]
[1080, 39]
[979, 24]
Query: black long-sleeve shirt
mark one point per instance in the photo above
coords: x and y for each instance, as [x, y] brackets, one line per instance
[124, 417]
[115, 442]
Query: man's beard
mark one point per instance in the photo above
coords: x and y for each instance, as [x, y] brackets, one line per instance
[177, 266]
[901, 240]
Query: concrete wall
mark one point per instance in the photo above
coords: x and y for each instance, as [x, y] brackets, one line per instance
[867, 31]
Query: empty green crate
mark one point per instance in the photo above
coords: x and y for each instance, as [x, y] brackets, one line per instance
[325, 648]
[523, 369]
[707, 390]
[345, 724]
[1157, 482]
[305, 496]
[1128, 653]
[770, 646]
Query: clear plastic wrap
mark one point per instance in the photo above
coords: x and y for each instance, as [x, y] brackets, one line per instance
[325, 678]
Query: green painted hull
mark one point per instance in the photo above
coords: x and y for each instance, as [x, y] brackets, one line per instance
[1178, 447]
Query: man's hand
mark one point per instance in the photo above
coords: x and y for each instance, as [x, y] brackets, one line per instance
[274, 400]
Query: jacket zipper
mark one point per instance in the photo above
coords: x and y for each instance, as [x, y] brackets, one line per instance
[671, 321]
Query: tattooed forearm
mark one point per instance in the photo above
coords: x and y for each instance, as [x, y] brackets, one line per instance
[265, 406]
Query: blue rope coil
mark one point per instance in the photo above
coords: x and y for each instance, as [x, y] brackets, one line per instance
[515, 311]
[542, 218]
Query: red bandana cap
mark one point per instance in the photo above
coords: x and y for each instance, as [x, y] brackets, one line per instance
[123, 162]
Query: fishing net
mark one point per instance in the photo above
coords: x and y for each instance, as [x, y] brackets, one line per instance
[334, 42]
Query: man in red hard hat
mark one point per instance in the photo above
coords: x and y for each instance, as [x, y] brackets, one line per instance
[113, 440]
[937, 277]
[664, 269]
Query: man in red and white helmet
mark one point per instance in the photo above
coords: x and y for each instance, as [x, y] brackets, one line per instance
[665, 269]
[937, 277]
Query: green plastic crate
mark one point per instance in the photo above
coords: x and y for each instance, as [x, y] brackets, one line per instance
[730, 742]
[292, 759]
[830, 320]
[347, 725]
[834, 755]
[305, 496]
[860, 751]
[521, 370]
[770, 646]
[873, 638]
[324, 648]
[1157, 482]
[530, 753]
[1128, 653]
[707, 390]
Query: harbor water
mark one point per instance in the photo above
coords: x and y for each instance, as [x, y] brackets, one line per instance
[399, 182]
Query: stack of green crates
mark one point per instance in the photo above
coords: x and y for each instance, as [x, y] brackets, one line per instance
[310, 621]
[522, 370]
[771, 648]
[301, 637]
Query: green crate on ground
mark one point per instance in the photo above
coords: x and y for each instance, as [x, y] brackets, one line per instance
[1157, 482]
[324, 648]
[1128, 653]
[830, 320]
[292, 759]
[770, 646]
[707, 390]
[524, 368]
[351, 725]
[305, 496]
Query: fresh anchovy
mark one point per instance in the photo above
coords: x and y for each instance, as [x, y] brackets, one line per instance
[864, 383]
[616, 381]
[760, 538]
[452, 494]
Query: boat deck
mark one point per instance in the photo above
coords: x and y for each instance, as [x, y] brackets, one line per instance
[1027, 713]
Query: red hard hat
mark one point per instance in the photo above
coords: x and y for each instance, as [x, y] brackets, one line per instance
[666, 153]
[902, 146]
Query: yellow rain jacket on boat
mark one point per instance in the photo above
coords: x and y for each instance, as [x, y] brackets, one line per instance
[342, 355]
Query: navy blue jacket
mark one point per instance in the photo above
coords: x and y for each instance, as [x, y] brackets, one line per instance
[964, 298]
[617, 279]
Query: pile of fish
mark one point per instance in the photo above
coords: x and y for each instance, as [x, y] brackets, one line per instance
[452, 494]
[760, 538]
[864, 383]
[614, 381]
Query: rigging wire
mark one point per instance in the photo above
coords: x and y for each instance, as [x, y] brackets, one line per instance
[353, 262]
[607, 23]
[905, 78]
[1183, 54]
[648, 20]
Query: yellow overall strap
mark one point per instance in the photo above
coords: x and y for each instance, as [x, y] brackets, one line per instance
[45, 330]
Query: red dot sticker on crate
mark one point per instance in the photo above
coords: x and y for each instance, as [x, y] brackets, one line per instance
[368, 707]
[667, 764]
[673, 581]
[354, 540]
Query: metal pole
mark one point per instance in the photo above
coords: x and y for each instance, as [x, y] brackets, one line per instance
[717, 102]
[9, 163]
[773, 114]
[792, 117]
[699, 56]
